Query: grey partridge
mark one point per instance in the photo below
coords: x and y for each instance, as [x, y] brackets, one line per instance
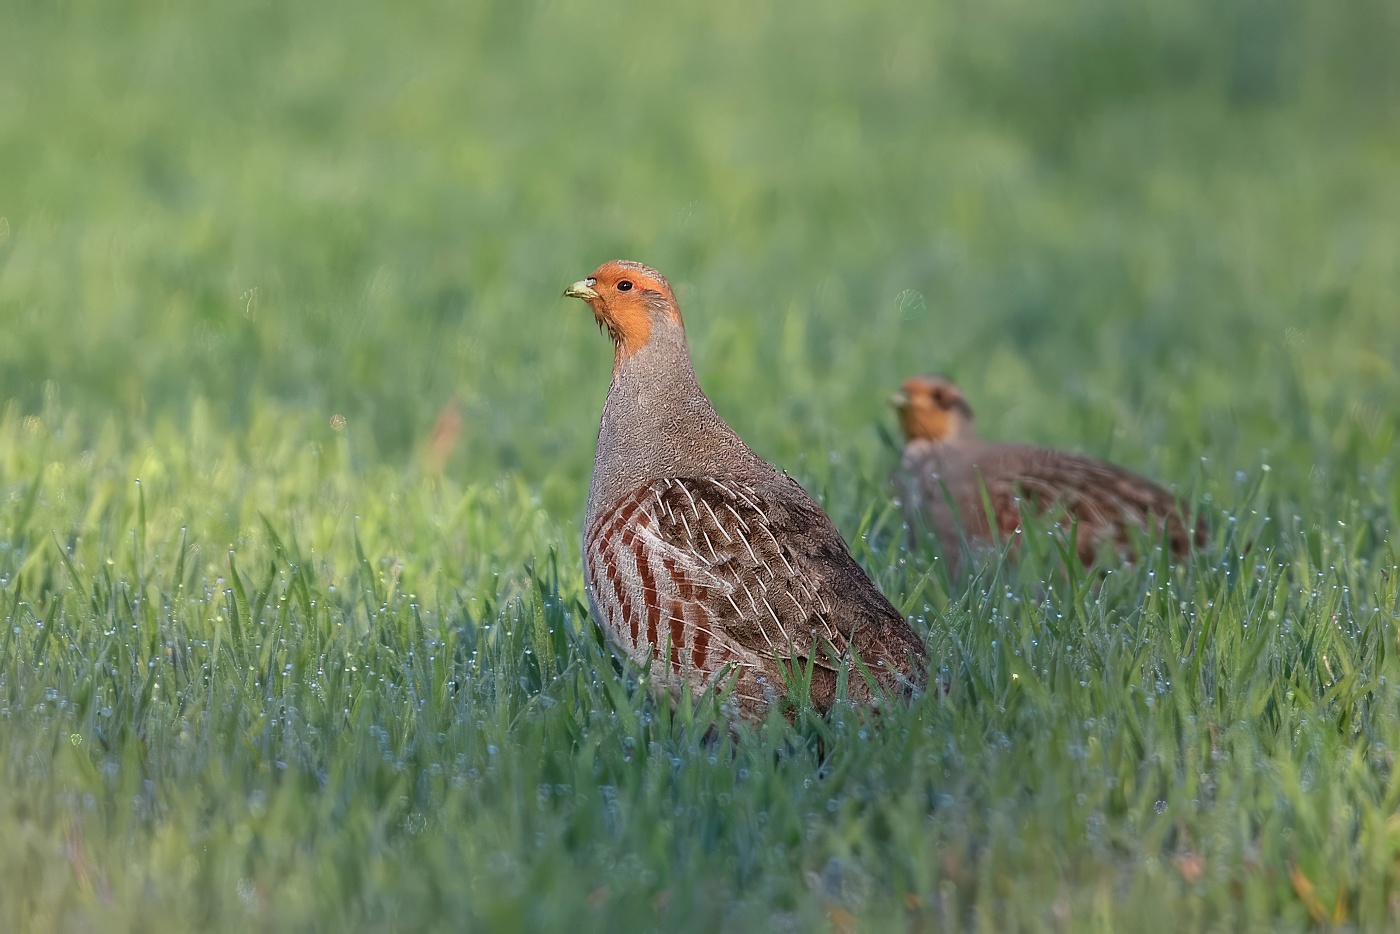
[945, 467]
[703, 561]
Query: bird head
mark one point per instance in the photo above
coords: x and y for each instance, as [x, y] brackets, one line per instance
[629, 300]
[932, 408]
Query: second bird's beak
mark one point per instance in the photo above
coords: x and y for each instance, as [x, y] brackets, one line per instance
[582, 289]
[899, 399]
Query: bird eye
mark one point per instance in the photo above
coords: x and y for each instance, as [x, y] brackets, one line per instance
[625, 285]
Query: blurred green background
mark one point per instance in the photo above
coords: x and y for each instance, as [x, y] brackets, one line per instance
[1156, 230]
[297, 269]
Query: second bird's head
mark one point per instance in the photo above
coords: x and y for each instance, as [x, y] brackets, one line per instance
[932, 408]
[629, 300]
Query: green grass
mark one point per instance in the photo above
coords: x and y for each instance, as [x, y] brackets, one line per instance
[274, 658]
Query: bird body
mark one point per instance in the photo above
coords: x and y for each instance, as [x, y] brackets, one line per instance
[702, 560]
[945, 469]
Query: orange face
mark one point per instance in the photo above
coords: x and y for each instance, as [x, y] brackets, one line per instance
[626, 298]
[931, 408]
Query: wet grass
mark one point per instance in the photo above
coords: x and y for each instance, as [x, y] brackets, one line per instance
[295, 436]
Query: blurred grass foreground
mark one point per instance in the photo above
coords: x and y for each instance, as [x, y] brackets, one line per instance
[295, 433]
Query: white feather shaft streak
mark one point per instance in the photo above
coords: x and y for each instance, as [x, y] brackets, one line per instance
[719, 525]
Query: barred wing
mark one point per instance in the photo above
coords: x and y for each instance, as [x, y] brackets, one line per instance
[692, 567]
[1104, 498]
[701, 573]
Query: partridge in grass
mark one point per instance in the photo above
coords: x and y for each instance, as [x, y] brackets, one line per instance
[945, 468]
[702, 560]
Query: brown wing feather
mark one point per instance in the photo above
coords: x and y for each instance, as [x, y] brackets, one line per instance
[728, 574]
[866, 619]
[1104, 498]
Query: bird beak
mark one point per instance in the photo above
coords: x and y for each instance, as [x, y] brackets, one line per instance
[900, 399]
[582, 289]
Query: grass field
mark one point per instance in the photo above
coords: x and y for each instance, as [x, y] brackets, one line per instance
[295, 433]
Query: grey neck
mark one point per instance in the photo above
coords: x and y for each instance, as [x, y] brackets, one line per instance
[657, 422]
[963, 430]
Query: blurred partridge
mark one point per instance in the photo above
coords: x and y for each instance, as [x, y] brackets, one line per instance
[945, 467]
[701, 559]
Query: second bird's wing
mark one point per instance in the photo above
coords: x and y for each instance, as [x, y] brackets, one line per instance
[1104, 498]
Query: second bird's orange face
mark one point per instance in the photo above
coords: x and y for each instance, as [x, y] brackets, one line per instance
[626, 297]
[931, 408]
